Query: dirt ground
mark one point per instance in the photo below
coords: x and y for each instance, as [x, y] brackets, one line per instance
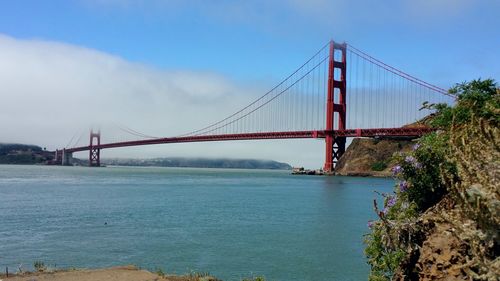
[122, 273]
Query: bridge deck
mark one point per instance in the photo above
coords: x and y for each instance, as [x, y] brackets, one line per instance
[396, 132]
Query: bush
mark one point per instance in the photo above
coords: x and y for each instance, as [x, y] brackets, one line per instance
[39, 266]
[379, 166]
[258, 278]
[160, 272]
[419, 171]
[425, 173]
[476, 98]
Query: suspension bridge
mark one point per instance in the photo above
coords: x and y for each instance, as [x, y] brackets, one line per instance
[338, 93]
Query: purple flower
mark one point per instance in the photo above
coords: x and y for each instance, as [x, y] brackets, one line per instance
[370, 224]
[416, 146]
[417, 165]
[403, 186]
[410, 159]
[391, 201]
[385, 210]
[396, 170]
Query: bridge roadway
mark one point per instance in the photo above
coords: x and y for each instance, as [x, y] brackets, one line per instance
[381, 132]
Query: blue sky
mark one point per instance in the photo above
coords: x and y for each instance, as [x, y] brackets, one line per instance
[441, 40]
[227, 47]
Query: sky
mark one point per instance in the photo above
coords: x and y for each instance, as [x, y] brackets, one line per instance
[164, 67]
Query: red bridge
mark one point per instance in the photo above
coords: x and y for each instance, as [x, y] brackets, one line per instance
[340, 92]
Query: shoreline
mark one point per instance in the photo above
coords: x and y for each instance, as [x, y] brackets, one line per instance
[373, 174]
[118, 273]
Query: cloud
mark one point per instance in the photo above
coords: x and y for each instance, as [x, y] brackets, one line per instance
[51, 92]
[85, 85]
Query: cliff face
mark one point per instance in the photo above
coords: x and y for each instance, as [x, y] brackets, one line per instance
[370, 157]
[442, 254]
[459, 237]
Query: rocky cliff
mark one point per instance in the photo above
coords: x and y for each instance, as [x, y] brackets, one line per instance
[458, 238]
[442, 220]
[371, 157]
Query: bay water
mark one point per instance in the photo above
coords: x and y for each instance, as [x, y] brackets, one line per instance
[230, 223]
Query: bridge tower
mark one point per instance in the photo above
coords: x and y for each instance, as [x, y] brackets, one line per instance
[335, 146]
[95, 152]
[67, 158]
[58, 157]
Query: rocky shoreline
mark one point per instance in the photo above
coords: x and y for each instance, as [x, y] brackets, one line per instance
[365, 158]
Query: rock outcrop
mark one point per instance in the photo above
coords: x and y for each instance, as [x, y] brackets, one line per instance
[460, 235]
[371, 157]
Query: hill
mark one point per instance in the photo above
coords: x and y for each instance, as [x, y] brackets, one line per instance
[13, 153]
[371, 157]
[199, 163]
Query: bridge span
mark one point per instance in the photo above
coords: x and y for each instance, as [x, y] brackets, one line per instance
[340, 92]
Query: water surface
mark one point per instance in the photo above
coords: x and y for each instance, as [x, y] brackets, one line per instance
[231, 223]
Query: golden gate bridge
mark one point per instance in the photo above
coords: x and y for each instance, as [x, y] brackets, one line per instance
[338, 93]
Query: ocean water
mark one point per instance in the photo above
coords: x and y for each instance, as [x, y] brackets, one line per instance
[231, 223]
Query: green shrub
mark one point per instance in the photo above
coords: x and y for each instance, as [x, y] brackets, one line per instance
[424, 174]
[379, 166]
[476, 98]
[419, 171]
[257, 278]
[39, 266]
[160, 272]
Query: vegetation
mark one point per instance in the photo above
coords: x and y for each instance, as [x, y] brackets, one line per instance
[39, 266]
[160, 272]
[42, 267]
[200, 163]
[371, 157]
[458, 162]
[198, 275]
[205, 276]
[379, 166]
[23, 154]
[191, 276]
[258, 278]
[6, 148]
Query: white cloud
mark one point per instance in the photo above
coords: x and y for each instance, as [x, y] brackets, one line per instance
[85, 85]
[49, 91]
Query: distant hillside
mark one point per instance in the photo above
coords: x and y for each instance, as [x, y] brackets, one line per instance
[13, 153]
[370, 157]
[200, 163]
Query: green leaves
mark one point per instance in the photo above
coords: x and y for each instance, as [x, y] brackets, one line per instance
[379, 166]
[425, 172]
[479, 98]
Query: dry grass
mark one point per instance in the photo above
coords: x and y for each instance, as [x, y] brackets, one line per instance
[475, 149]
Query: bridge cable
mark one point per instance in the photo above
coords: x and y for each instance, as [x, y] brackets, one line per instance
[134, 132]
[259, 99]
[397, 71]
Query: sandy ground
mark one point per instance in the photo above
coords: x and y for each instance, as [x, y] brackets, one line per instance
[122, 273]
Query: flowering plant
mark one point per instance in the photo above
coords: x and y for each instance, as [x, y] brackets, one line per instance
[419, 186]
[424, 173]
